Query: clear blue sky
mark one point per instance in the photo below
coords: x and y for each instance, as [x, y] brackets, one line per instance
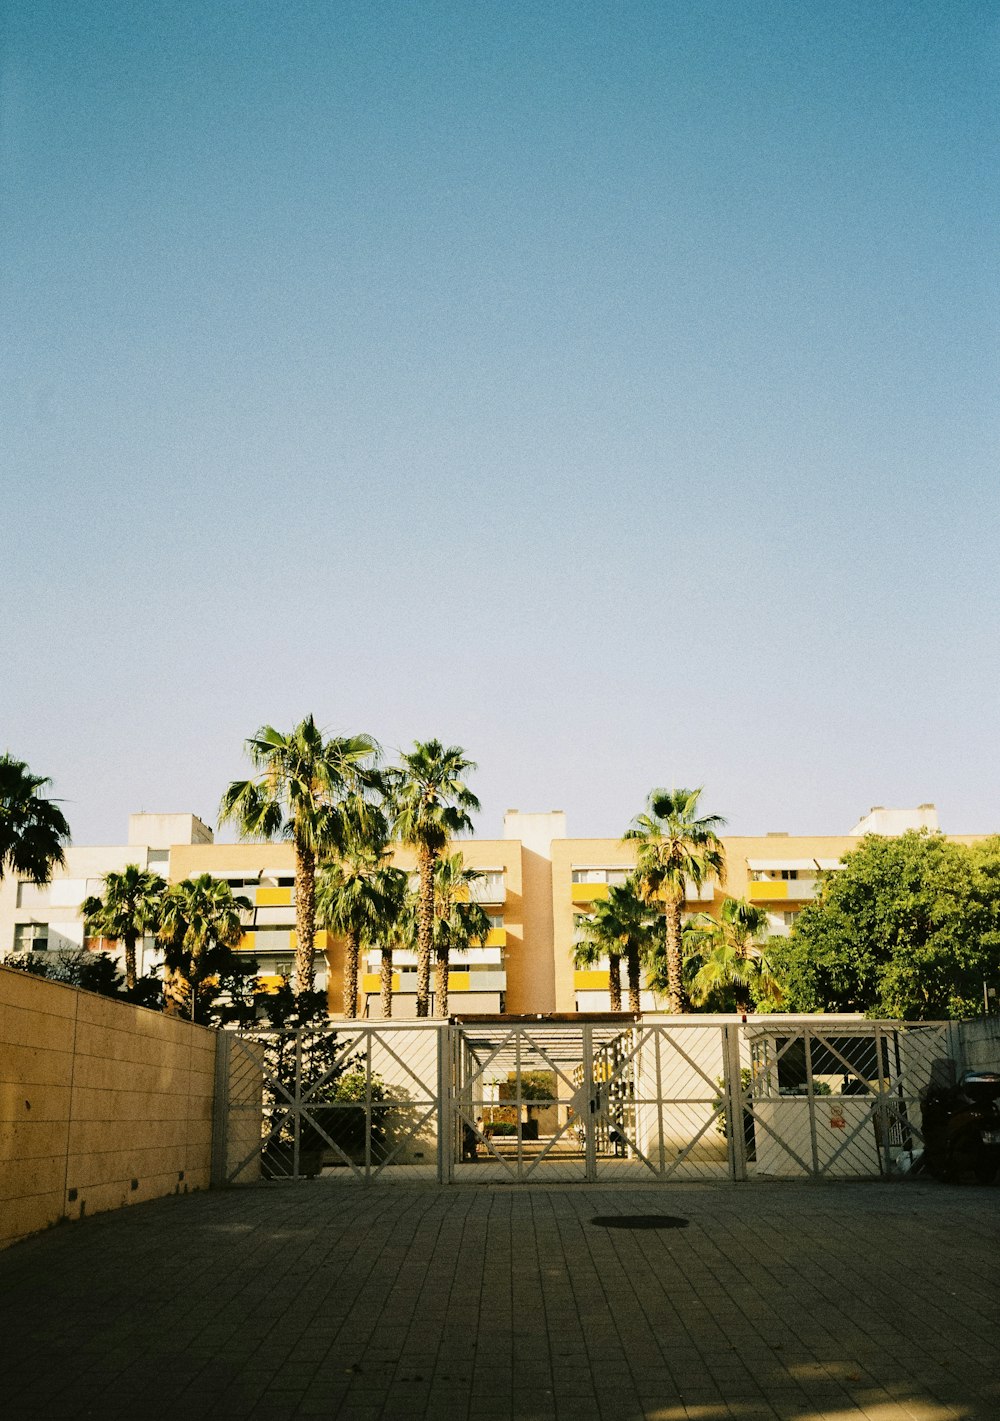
[609, 388]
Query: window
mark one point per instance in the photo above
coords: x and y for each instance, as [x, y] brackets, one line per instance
[31, 937]
[68, 892]
[789, 873]
[157, 858]
[32, 895]
[496, 920]
[788, 919]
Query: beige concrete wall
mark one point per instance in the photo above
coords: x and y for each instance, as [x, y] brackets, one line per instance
[159, 831]
[187, 860]
[101, 1104]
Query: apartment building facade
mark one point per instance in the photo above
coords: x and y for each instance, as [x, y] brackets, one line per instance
[47, 917]
[537, 886]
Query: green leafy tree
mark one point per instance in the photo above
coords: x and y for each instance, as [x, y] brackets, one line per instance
[432, 805]
[359, 896]
[458, 922]
[307, 789]
[33, 829]
[127, 911]
[907, 928]
[677, 847]
[729, 959]
[201, 923]
[75, 967]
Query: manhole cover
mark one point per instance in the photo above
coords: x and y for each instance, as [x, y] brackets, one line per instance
[639, 1221]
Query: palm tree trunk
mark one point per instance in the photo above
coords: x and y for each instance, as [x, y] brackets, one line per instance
[675, 997]
[634, 984]
[441, 983]
[351, 950]
[173, 991]
[615, 980]
[130, 962]
[742, 993]
[386, 983]
[425, 930]
[305, 916]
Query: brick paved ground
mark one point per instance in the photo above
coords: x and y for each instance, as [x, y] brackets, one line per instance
[778, 1301]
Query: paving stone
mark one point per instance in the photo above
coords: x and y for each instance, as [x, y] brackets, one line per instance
[780, 1302]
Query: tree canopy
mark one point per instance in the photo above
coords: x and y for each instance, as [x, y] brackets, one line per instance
[907, 928]
[33, 829]
[432, 804]
[127, 911]
[312, 790]
[677, 846]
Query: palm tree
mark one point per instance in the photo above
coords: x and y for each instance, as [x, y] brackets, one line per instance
[359, 895]
[677, 847]
[33, 829]
[304, 789]
[636, 930]
[402, 934]
[730, 956]
[458, 922]
[128, 910]
[592, 949]
[201, 922]
[622, 927]
[432, 805]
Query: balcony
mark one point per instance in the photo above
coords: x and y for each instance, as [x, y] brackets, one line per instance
[278, 916]
[371, 983]
[280, 939]
[593, 891]
[594, 980]
[782, 890]
[491, 888]
[589, 892]
[274, 897]
[405, 983]
[484, 956]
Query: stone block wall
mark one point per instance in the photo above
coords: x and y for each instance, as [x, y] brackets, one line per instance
[101, 1104]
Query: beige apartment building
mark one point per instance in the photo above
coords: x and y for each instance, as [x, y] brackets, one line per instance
[537, 885]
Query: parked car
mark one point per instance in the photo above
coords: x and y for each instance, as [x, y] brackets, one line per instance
[961, 1128]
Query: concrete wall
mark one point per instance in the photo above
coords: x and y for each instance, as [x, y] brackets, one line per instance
[981, 1044]
[101, 1104]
